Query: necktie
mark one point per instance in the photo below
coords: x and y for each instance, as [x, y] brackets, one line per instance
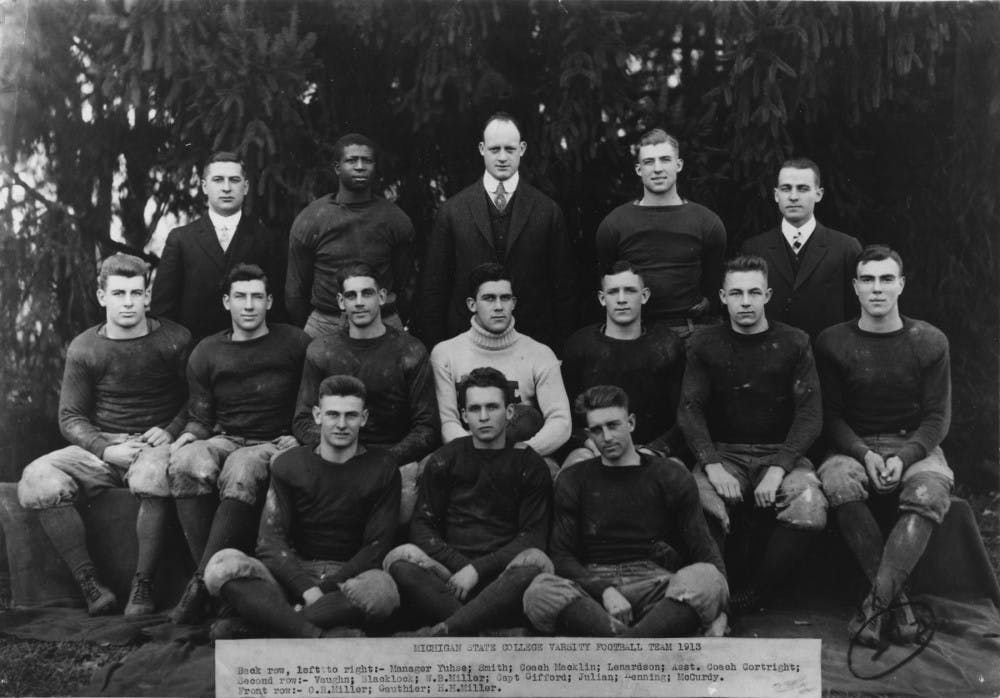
[797, 241]
[501, 198]
[225, 236]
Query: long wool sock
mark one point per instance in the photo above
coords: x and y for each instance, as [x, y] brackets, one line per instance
[785, 549]
[64, 527]
[149, 530]
[333, 610]
[905, 546]
[586, 617]
[195, 515]
[424, 595]
[862, 535]
[234, 526]
[262, 605]
[667, 618]
[499, 602]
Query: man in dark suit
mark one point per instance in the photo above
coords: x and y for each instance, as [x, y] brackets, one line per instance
[198, 256]
[500, 219]
[812, 266]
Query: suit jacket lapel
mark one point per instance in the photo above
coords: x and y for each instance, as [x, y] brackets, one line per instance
[779, 248]
[524, 201]
[242, 240]
[209, 243]
[480, 216]
[814, 253]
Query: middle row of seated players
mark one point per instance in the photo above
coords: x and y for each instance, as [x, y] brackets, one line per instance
[648, 364]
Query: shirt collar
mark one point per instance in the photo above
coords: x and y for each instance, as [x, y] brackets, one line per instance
[509, 185]
[231, 222]
[789, 230]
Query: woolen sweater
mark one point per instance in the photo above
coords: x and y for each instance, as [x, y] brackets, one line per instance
[482, 507]
[402, 411]
[879, 383]
[247, 388]
[751, 389]
[318, 510]
[123, 386]
[531, 368]
[613, 515]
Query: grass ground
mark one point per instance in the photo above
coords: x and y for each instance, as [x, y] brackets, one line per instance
[33, 668]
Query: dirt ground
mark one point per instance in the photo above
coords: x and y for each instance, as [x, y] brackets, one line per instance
[33, 668]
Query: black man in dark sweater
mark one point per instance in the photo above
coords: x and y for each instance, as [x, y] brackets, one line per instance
[330, 518]
[887, 403]
[242, 385]
[121, 404]
[646, 360]
[481, 522]
[629, 541]
[750, 408]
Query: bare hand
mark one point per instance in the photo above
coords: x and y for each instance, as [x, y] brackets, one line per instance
[182, 440]
[463, 581]
[285, 442]
[156, 436]
[122, 455]
[725, 484]
[767, 490]
[876, 470]
[616, 605]
[893, 471]
[312, 595]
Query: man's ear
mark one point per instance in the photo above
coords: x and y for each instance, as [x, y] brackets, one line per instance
[101, 297]
[317, 415]
[680, 164]
[601, 299]
[226, 303]
[270, 301]
[340, 302]
[364, 416]
[470, 303]
[482, 148]
[644, 294]
[767, 296]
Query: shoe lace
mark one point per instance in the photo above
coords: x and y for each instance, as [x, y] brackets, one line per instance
[143, 591]
[90, 588]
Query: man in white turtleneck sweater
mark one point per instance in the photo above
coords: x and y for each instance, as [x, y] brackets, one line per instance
[531, 368]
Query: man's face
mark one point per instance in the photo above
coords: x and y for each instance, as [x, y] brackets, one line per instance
[356, 168]
[878, 285]
[486, 413]
[797, 194]
[745, 293]
[493, 306]
[502, 149]
[124, 299]
[248, 303]
[658, 167]
[610, 428]
[226, 186]
[361, 300]
[340, 418]
[623, 296]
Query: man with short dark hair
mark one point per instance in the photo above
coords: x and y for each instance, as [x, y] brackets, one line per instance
[629, 541]
[242, 385]
[331, 515]
[500, 219]
[198, 256]
[811, 265]
[392, 364]
[676, 244]
[531, 367]
[887, 406]
[349, 226]
[121, 404]
[646, 360]
[481, 522]
[750, 409]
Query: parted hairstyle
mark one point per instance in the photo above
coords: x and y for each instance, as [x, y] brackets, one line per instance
[349, 271]
[501, 116]
[342, 386]
[600, 396]
[483, 377]
[121, 264]
[245, 272]
[223, 156]
[488, 271]
[802, 164]
[655, 137]
[746, 262]
[349, 139]
[876, 253]
[620, 267]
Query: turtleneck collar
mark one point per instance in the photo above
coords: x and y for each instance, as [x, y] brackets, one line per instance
[493, 342]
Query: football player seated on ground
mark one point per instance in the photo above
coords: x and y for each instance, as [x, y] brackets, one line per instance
[242, 384]
[481, 522]
[632, 553]
[330, 518]
[647, 360]
[750, 409]
[121, 404]
[531, 368]
[887, 406]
